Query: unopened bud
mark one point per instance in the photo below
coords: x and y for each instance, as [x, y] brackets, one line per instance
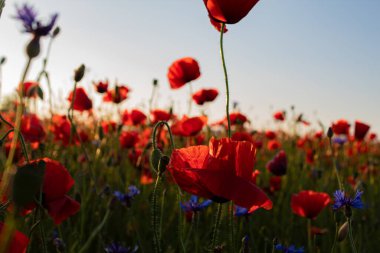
[343, 231]
[56, 31]
[330, 133]
[2, 60]
[155, 82]
[33, 48]
[164, 161]
[155, 158]
[79, 73]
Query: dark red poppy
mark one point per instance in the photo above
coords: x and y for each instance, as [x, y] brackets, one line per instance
[270, 134]
[273, 145]
[137, 117]
[280, 116]
[341, 127]
[57, 182]
[279, 164]
[82, 102]
[275, 184]
[159, 115]
[101, 87]
[128, 139]
[205, 95]
[61, 129]
[227, 11]
[361, 130]
[220, 171]
[310, 156]
[18, 241]
[31, 128]
[242, 136]
[117, 95]
[372, 136]
[318, 135]
[182, 71]
[237, 118]
[309, 203]
[188, 126]
[109, 126]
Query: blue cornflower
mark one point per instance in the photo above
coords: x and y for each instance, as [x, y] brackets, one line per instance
[339, 140]
[28, 17]
[241, 211]
[341, 200]
[126, 198]
[58, 242]
[193, 205]
[290, 249]
[117, 248]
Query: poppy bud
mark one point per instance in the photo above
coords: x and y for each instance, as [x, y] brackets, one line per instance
[2, 60]
[155, 82]
[56, 31]
[164, 161]
[79, 73]
[155, 158]
[330, 133]
[343, 231]
[33, 48]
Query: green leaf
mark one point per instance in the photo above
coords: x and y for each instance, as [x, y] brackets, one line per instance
[27, 182]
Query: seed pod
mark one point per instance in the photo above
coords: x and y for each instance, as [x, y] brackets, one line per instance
[330, 133]
[155, 82]
[2, 60]
[343, 231]
[56, 31]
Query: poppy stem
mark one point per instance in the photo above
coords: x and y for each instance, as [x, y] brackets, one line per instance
[309, 239]
[335, 237]
[70, 113]
[155, 220]
[154, 139]
[190, 98]
[215, 233]
[226, 80]
[341, 186]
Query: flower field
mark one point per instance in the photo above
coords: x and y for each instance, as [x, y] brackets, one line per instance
[154, 180]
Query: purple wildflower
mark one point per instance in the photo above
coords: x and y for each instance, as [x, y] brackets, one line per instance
[193, 205]
[117, 248]
[342, 200]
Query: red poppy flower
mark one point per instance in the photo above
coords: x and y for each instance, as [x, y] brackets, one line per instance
[137, 117]
[82, 101]
[205, 95]
[18, 243]
[108, 126]
[217, 25]
[372, 136]
[242, 136]
[227, 11]
[237, 118]
[310, 156]
[182, 71]
[31, 128]
[275, 184]
[160, 115]
[270, 134]
[280, 116]
[188, 126]
[220, 171]
[361, 130]
[309, 203]
[101, 87]
[57, 182]
[117, 95]
[128, 139]
[31, 89]
[273, 145]
[61, 129]
[341, 127]
[279, 164]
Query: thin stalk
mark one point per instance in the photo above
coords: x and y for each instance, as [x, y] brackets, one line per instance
[157, 239]
[352, 242]
[215, 233]
[226, 80]
[309, 239]
[335, 237]
[190, 98]
[341, 186]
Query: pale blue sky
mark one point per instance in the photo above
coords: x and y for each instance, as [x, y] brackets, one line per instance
[323, 56]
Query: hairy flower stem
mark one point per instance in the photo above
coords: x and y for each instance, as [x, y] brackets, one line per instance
[335, 237]
[309, 236]
[226, 80]
[155, 219]
[215, 233]
[352, 242]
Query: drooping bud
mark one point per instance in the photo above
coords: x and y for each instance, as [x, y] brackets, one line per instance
[343, 231]
[79, 73]
[155, 158]
[3, 60]
[33, 48]
[164, 161]
[155, 82]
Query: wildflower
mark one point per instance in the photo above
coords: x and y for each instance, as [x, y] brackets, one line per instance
[58, 242]
[230, 12]
[18, 242]
[128, 139]
[279, 116]
[309, 203]
[117, 95]
[221, 171]
[342, 200]
[137, 117]
[28, 17]
[126, 198]
[241, 211]
[361, 130]
[159, 115]
[182, 71]
[101, 87]
[205, 95]
[188, 126]
[237, 118]
[194, 206]
[278, 165]
[341, 127]
[290, 249]
[117, 248]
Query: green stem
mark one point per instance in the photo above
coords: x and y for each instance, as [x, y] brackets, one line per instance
[226, 80]
[341, 186]
[335, 238]
[70, 113]
[190, 98]
[154, 139]
[309, 239]
[155, 221]
[215, 233]
[352, 242]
